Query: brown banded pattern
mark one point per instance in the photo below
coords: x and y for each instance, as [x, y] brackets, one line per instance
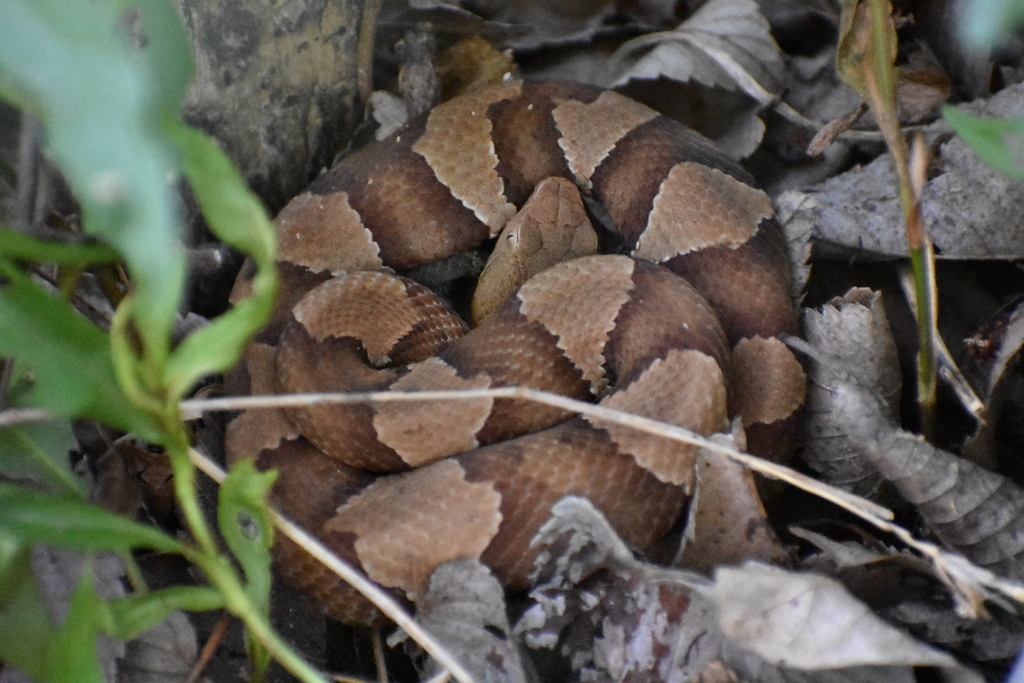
[683, 328]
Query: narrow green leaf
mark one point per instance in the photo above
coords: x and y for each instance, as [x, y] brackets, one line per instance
[14, 567]
[246, 525]
[38, 452]
[248, 531]
[25, 630]
[16, 245]
[132, 615]
[236, 216]
[998, 142]
[70, 357]
[72, 656]
[71, 64]
[33, 517]
[168, 52]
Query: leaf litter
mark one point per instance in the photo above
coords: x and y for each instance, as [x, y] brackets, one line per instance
[612, 615]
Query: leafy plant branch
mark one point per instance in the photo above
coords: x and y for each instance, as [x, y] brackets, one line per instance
[109, 112]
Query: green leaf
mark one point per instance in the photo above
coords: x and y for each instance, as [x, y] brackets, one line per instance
[70, 357]
[32, 517]
[38, 451]
[25, 630]
[168, 52]
[14, 567]
[989, 23]
[998, 142]
[236, 216]
[72, 652]
[248, 531]
[132, 615]
[246, 525]
[16, 245]
[71, 64]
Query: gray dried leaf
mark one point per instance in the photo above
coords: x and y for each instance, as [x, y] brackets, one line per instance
[622, 620]
[725, 44]
[981, 640]
[389, 111]
[609, 615]
[859, 210]
[524, 25]
[852, 331]
[971, 509]
[837, 554]
[58, 572]
[417, 75]
[798, 247]
[577, 541]
[165, 653]
[808, 621]
[464, 608]
[908, 591]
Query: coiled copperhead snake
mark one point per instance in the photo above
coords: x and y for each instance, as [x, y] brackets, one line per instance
[401, 488]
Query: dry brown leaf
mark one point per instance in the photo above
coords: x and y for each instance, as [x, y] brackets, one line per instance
[969, 66]
[470, 63]
[725, 44]
[540, 23]
[921, 88]
[858, 41]
[616, 619]
[972, 510]
[855, 333]
[808, 621]
[612, 617]
[831, 130]
[464, 608]
[905, 589]
[858, 211]
[165, 653]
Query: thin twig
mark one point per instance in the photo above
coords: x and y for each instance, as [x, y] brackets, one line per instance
[15, 416]
[871, 512]
[209, 648]
[370, 590]
[192, 408]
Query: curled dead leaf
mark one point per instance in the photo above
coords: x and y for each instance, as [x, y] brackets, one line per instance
[973, 510]
[852, 331]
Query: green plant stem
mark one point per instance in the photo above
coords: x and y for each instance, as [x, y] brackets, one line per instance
[219, 571]
[922, 263]
[221, 574]
[881, 85]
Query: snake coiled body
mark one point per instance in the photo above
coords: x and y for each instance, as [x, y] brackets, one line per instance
[682, 327]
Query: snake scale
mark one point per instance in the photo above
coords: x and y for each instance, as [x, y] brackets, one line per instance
[682, 325]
